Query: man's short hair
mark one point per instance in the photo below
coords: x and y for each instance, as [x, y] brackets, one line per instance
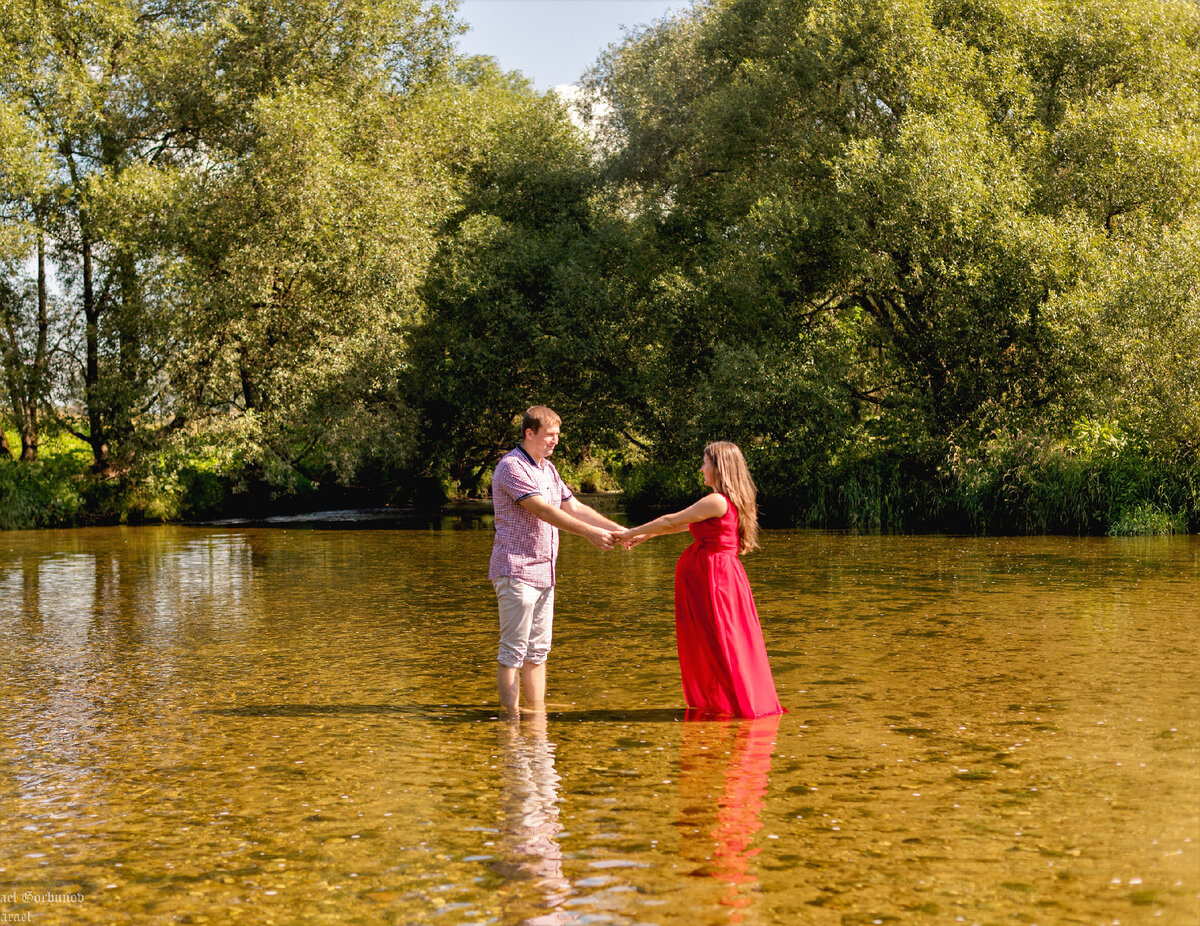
[538, 417]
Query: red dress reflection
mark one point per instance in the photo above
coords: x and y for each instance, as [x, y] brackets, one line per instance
[725, 766]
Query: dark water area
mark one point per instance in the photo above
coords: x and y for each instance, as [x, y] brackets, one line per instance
[292, 723]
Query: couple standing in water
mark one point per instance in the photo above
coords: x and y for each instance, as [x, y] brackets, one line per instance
[722, 657]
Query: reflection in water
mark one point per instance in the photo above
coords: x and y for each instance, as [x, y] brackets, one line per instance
[724, 769]
[531, 858]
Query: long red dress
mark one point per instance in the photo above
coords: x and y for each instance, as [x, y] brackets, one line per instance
[722, 656]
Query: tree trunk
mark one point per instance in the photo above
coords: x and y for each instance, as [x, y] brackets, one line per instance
[91, 383]
[129, 348]
[30, 432]
[251, 394]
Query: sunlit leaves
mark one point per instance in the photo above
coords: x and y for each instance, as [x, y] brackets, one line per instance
[243, 205]
[524, 302]
[953, 198]
[1118, 155]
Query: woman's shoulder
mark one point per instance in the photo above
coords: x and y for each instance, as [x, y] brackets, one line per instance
[720, 503]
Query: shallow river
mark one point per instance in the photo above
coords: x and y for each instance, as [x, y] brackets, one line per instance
[259, 725]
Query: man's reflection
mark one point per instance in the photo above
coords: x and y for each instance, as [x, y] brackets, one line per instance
[531, 858]
[724, 769]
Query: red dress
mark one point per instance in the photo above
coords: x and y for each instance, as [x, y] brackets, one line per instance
[722, 656]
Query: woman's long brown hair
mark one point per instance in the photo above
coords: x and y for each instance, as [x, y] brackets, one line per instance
[731, 477]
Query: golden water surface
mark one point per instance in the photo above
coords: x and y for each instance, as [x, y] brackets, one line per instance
[291, 725]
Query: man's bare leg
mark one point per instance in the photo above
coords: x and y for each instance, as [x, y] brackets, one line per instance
[508, 681]
[533, 681]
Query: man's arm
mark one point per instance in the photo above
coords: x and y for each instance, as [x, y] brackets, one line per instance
[595, 534]
[589, 515]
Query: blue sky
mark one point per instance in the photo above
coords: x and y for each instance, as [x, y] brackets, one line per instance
[552, 42]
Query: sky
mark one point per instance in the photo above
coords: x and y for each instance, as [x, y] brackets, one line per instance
[552, 42]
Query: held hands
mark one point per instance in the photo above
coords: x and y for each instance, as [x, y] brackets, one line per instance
[628, 539]
[609, 540]
[603, 539]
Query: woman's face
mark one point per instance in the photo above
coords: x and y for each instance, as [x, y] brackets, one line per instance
[708, 472]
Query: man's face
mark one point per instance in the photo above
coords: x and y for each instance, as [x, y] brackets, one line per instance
[542, 443]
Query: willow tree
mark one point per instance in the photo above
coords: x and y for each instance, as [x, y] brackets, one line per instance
[307, 231]
[890, 223]
[527, 299]
[174, 132]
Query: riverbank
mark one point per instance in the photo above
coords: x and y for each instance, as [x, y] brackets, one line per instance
[1016, 488]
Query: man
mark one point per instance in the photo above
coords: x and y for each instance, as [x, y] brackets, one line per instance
[532, 504]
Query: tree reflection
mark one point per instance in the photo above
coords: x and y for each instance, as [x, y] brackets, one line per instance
[724, 769]
[530, 856]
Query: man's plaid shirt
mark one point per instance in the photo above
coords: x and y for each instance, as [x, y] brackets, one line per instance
[526, 546]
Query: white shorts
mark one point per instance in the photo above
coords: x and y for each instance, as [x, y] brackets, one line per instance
[526, 622]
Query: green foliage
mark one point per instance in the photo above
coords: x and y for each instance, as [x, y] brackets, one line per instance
[1148, 520]
[589, 473]
[189, 478]
[653, 485]
[895, 247]
[876, 489]
[1093, 482]
[522, 303]
[184, 481]
[239, 206]
[300, 275]
[933, 264]
[47, 493]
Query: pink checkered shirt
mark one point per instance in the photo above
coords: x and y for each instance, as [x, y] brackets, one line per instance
[526, 546]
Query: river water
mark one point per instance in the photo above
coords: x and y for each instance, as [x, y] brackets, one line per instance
[269, 725]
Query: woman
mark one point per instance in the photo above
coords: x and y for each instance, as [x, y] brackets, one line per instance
[721, 653]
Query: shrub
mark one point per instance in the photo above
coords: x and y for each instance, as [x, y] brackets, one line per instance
[1146, 520]
[589, 474]
[651, 486]
[179, 482]
[1095, 482]
[47, 493]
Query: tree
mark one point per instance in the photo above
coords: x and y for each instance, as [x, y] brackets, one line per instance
[1142, 303]
[143, 109]
[25, 350]
[302, 260]
[524, 301]
[895, 209]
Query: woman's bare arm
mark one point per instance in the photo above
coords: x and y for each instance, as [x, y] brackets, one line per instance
[710, 506]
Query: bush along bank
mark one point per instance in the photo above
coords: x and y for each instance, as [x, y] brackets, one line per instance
[62, 489]
[1011, 484]
[1014, 484]
[47, 493]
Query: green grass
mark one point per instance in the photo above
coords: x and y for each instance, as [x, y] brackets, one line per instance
[1147, 520]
